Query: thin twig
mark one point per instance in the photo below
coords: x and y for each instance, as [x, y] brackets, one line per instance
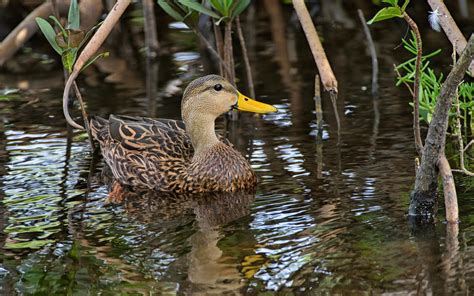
[416, 84]
[228, 52]
[219, 46]
[373, 52]
[211, 50]
[245, 55]
[468, 145]
[458, 133]
[84, 115]
[91, 48]
[151, 36]
[317, 102]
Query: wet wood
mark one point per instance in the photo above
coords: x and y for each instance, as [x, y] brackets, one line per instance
[317, 102]
[423, 199]
[327, 75]
[449, 189]
[89, 50]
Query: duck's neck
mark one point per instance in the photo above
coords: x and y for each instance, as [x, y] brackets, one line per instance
[201, 132]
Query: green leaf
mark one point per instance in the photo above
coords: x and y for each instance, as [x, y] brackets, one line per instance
[394, 3]
[49, 33]
[170, 11]
[218, 5]
[199, 8]
[73, 18]
[241, 5]
[385, 14]
[92, 60]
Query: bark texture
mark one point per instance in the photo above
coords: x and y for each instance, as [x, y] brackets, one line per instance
[423, 199]
[325, 71]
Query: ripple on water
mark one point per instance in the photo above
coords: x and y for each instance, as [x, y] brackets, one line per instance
[281, 224]
[35, 186]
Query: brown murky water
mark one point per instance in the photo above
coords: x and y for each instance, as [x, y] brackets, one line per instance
[328, 214]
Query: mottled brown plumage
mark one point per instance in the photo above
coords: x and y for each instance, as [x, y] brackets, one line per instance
[177, 156]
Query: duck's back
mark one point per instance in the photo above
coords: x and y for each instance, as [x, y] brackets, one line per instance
[143, 152]
[158, 155]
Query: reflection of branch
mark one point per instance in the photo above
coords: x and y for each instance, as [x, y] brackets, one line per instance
[373, 52]
[333, 96]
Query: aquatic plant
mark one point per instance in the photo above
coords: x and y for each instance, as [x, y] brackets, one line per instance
[423, 199]
[430, 86]
[70, 40]
[220, 11]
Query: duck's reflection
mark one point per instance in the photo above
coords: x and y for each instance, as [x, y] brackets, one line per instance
[208, 267]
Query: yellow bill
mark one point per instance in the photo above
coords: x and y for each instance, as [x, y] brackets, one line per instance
[247, 104]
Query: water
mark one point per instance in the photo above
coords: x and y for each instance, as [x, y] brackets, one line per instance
[329, 214]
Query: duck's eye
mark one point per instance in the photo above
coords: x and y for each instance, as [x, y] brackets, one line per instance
[218, 87]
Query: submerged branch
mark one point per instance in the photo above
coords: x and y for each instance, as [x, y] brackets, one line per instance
[423, 197]
[317, 102]
[449, 189]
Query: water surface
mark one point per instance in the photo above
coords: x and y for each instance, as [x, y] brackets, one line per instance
[329, 214]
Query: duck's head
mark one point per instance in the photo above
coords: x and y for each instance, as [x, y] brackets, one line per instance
[212, 95]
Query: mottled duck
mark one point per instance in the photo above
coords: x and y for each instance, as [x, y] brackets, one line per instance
[180, 156]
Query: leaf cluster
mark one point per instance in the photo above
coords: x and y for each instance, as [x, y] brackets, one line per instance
[70, 40]
[394, 10]
[431, 83]
[220, 10]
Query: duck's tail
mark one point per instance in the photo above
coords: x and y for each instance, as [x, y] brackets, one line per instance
[99, 127]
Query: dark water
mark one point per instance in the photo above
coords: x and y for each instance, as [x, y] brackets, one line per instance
[328, 214]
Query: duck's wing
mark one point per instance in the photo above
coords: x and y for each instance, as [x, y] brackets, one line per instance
[166, 137]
